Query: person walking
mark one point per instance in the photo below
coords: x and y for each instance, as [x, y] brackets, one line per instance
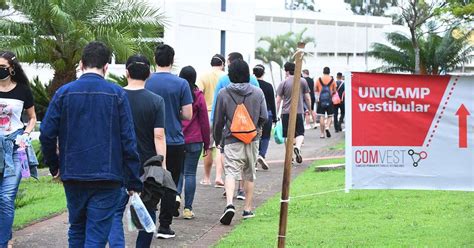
[240, 155]
[284, 92]
[91, 120]
[15, 99]
[197, 139]
[311, 111]
[207, 83]
[267, 88]
[340, 91]
[224, 81]
[178, 106]
[325, 88]
[148, 111]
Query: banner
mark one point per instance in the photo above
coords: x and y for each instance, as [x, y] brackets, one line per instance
[409, 132]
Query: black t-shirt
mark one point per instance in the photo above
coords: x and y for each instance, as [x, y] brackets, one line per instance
[12, 104]
[269, 93]
[148, 111]
[310, 82]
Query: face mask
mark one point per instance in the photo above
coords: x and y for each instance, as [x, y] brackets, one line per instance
[4, 73]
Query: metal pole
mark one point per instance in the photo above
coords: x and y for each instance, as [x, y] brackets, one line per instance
[295, 95]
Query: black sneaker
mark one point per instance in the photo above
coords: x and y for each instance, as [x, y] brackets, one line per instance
[178, 204]
[165, 233]
[297, 152]
[248, 214]
[240, 194]
[328, 134]
[229, 212]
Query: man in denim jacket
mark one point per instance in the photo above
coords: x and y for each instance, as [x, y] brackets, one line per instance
[91, 121]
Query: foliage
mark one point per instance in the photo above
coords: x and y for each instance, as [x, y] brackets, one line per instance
[300, 5]
[460, 9]
[39, 155]
[3, 4]
[55, 32]
[438, 54]
[415, 14]
[116, 79]
[37, 200]
[40, 96]
[280, 49]
[361, 218]
[375, 7]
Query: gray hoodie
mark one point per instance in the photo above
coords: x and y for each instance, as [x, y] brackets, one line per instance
[225, 108]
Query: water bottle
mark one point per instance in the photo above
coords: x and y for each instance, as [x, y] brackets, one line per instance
[142, 213]
[25, 167]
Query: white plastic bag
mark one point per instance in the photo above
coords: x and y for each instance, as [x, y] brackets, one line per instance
[142, 214]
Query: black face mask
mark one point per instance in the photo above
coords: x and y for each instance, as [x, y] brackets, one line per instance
[4, 73]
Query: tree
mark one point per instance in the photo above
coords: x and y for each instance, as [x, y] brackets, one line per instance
[55, 32]
[374, 8]
[281, 48]
[461, 9]
[417, 13]
[300, 5]
[438, 54]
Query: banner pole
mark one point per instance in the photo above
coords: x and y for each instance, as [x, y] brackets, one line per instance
[348, 127]
[295, 95]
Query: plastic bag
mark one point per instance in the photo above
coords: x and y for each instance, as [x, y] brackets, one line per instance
[278, 133]
[140, 216]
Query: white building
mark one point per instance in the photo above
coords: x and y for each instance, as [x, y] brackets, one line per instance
[198, 29]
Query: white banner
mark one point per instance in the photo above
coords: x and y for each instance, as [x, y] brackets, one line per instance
[409, 132]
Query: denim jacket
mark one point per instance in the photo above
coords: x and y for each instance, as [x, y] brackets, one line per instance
[7, 150]
[91, 120]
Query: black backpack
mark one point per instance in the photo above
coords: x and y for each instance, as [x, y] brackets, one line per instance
[325, 96]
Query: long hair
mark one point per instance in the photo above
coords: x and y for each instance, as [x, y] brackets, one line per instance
[17, 75]
[189, 74]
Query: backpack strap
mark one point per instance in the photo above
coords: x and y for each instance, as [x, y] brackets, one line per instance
[342, 82]
[233, 99]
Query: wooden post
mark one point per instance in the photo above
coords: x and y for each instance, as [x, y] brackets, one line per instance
[295, 95]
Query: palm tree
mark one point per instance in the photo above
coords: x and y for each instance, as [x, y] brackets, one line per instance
[55, 32]
[438, 54]
[280, 48]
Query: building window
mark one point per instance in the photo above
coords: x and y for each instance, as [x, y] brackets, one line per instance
[223, 42]
[223, 5]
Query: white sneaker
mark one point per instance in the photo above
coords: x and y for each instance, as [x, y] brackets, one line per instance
[262, 162]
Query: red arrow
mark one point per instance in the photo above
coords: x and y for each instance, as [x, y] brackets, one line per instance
[462, 113]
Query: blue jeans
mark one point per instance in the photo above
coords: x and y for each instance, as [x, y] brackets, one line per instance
[144, 239]
[266, 134]
[8, 189]
[91, 211]
[188, 173]
[116, 235]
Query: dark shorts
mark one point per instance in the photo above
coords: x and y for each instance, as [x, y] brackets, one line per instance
[329, 110]
[299, 131]
[313, 101]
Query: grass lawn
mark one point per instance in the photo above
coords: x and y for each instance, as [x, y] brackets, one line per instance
[37, 200]
[339, 146]
[361, 218]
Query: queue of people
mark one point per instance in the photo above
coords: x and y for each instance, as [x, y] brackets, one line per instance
[98, 139]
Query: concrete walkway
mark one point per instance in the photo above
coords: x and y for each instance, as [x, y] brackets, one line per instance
[204, 230]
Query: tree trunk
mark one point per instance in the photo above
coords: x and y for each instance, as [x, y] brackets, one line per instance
[414, 43]
[61, 77]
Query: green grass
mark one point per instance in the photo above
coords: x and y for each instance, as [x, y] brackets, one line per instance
[329, 161]
[339, 146]
[361, 218]
[37, 200]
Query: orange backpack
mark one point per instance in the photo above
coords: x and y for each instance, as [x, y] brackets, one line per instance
[242, 126]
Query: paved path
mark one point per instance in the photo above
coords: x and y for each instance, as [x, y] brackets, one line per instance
[205, 230]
